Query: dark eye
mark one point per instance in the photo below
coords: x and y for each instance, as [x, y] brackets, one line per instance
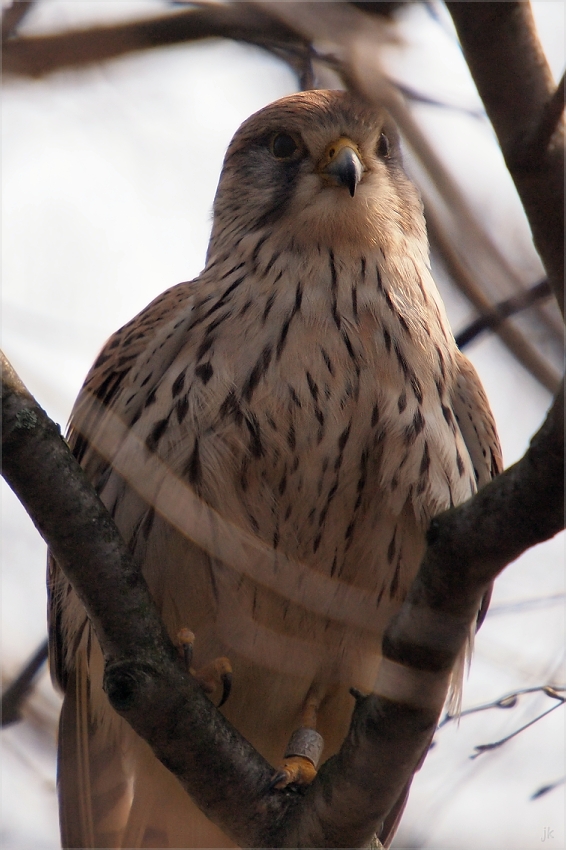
[283, 146]
[383, 146]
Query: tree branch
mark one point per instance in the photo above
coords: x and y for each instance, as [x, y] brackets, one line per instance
[147, 685]
[144, 679]
[390, 729]
[514, 81]
[35, 56]
[491, 319]
[17, 691]
[12, 16]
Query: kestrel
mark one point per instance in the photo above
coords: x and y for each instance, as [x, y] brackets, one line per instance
[308, 389]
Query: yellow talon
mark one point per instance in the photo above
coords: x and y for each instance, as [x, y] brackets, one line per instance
[211, 675]
[294, 770]
[300, 759]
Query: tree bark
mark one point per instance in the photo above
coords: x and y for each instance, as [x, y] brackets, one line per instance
[525, 106]
[391, 728]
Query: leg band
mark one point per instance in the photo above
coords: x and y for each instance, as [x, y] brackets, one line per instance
[306, 743]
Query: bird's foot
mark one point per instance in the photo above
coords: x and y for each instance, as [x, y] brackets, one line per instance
[293, 771]
[300, 760]
[211, 676]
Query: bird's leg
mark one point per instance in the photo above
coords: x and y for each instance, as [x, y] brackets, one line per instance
[304, 748]
[209, 677]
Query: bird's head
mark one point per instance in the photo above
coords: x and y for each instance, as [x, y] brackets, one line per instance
[318, 167]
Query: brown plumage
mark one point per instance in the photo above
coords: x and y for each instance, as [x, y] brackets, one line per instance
[307, 387]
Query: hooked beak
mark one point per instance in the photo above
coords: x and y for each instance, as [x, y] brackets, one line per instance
[342, 164]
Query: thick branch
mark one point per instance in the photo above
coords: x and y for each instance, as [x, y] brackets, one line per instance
[508, 65]
[390, 729]
[146, 685]
[470, 545]
[144, 681]
[37, 55]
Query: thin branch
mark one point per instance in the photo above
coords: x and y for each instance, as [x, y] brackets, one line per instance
[418, 97]
[484, 748]
[557, 692]
[12, 17]
[549, 123]
[544, 789]
[511, 336]
[383, 8]
[527, 604]
[18, 691]
[508, 701]
[492, 319]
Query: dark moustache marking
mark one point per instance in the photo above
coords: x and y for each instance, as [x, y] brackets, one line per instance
[282, 181]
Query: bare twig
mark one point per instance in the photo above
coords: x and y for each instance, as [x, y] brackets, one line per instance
[13, 15]
[17, 691]
[556, 692]
[419, 97]
[508, 701]
[384, 8]
[484, 748]
[494, 317]
[526, 604]
[544, 789]
[550, 121]
[513, 337]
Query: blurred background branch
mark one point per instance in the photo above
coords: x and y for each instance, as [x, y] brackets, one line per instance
[292, 31]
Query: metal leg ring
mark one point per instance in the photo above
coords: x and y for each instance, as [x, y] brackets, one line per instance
[306, 743]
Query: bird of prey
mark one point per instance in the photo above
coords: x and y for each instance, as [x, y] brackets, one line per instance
[307, 389]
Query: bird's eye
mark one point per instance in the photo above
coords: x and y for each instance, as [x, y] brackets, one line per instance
[283, 146]
[383, 147]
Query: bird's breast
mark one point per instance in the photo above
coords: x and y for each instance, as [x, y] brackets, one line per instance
[308, 405]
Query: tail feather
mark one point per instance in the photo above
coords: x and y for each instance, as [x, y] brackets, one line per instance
[162, 814]
[113, 792]
[95, 792]
[75, 811]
